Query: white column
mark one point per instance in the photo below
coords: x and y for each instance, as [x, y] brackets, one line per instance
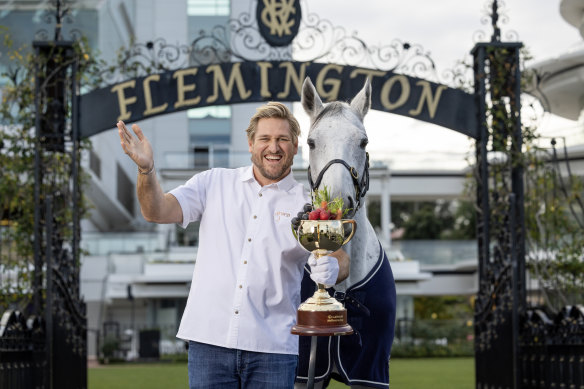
[385, 209]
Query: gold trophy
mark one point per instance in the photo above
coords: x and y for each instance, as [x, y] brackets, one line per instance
[321, 314]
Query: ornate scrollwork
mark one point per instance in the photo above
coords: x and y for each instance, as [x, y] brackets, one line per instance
[58, 12]
[495, 11]
[318, 40]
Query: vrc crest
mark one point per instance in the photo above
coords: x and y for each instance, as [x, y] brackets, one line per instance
[278, 20]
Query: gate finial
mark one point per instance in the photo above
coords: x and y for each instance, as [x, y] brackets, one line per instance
[60, 11]
[496, 37]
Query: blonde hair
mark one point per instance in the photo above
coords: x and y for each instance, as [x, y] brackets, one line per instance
[273, 109]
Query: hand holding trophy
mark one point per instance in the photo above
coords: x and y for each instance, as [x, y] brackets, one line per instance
[321, 314]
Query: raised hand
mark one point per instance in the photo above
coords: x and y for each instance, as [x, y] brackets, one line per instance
[137, 147]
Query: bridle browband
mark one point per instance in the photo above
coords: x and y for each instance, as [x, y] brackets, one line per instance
[361, 187]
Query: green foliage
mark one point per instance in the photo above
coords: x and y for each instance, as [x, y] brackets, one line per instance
[109, 347]
[465, 222]
[175, 358]
[441, 327]
[18, 150]
[374, 212]
[335, 205]
[432, 219]
[555, 232]
[554, 224]
[425, 223]
[554, 221]
[442, 307]
[429, 349]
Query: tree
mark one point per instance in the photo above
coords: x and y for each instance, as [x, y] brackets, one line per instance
[425, 223]
[553, 208]
[18, 150]
[555, 228]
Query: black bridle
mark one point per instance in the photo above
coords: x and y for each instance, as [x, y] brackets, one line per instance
[361, 186]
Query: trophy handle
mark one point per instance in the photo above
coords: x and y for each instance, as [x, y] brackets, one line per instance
[294, 232]
[354, 223]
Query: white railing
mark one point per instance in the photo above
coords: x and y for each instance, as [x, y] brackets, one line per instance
[426, 252]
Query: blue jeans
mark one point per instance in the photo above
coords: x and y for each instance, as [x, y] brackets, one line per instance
[218, 367]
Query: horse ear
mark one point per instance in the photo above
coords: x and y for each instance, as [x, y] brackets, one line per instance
[362, 100]
[310, 99]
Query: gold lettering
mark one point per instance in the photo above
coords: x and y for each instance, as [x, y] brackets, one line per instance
[335, 84]
[292, 76]
[335, 318]
[369, 73]
[182, 88]
[426, 96]
[227, 88]
[148, 96]
[124, 101]
[386, 90]
[264, 89]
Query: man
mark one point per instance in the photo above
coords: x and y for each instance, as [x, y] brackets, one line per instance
[246, 284]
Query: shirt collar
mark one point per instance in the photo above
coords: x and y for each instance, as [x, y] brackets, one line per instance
[284, 184]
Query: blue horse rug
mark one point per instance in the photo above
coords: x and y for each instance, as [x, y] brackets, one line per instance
[363, 357]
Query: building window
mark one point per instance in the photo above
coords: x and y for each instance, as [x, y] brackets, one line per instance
[210, 136]
[188, 236]
[95, 163]
[201, 157]
[208, 7]
[125, 190]
[216, 111]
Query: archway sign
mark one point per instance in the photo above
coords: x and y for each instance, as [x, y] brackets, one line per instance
[222, 67]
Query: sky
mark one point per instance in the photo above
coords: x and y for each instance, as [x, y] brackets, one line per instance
[447, 29]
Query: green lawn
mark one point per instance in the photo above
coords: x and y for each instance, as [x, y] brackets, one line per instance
[435, 373]
[428, 373]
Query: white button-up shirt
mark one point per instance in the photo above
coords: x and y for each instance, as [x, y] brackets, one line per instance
[246, 283]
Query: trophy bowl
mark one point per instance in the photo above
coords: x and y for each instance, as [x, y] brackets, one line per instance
[321, 314]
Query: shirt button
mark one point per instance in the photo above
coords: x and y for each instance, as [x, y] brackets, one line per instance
[255, 216]
[236, 312]
[261, 195]
[245, 262]
[249, 239]
[240, 286]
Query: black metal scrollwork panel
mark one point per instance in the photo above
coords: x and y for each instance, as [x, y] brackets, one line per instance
[552, 349]
[22, 351]
[240, 39]
[495, 12]
[499, 200]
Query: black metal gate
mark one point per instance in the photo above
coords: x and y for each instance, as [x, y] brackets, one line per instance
[47, 348]
[500, 232]
[516, 346]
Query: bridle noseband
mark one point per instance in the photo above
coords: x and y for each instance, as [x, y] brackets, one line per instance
[361, 187]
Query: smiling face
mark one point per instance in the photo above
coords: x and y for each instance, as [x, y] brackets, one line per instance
[272, 150]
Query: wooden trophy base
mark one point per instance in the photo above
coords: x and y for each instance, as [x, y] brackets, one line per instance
[322, 323]
[321, 315]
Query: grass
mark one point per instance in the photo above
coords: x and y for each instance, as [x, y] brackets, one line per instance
[435, 373]
[425, 373]
[138, 376]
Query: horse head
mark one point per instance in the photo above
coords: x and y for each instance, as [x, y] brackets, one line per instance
[337, 140]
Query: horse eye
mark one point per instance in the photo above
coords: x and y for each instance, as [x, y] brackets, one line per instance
[310, 143]
[363, 143]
